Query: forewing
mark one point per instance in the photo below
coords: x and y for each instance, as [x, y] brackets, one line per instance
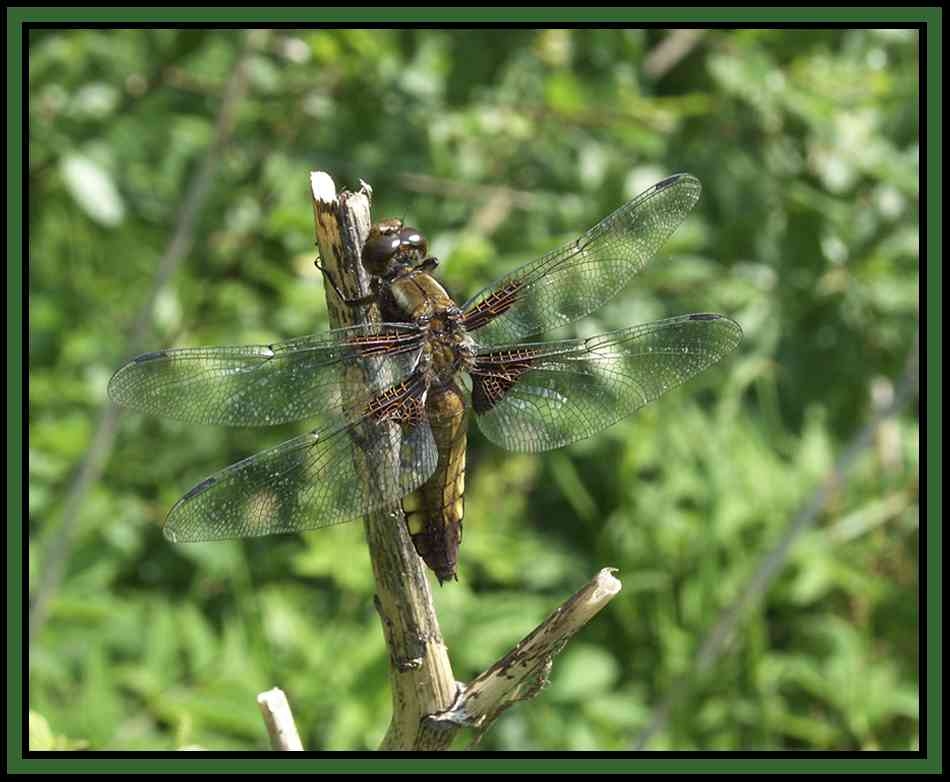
[573, 281]
[264, 385]
[315, 480]
[534, 397]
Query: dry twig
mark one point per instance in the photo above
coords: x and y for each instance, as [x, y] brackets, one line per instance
[279, 721]
[420, 671]
[523, 672]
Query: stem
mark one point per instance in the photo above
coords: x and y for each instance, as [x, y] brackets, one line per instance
[523, 672]
[420, 671]
[279, 721]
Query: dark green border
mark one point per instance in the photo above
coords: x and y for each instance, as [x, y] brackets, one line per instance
[15, 378]
[382, 14]
[16, 17]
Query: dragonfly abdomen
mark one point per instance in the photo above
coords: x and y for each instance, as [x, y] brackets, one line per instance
[434, 511]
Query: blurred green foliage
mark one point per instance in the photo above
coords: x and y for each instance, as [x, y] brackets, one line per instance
[499, 145]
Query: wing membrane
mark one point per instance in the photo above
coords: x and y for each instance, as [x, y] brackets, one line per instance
[264, 385]
[318, 479]
[574, 280]
[534, 397]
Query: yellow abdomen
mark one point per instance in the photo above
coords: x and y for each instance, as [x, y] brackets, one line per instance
[434, 511]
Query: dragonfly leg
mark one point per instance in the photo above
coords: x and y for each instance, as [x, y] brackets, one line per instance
[358, 301]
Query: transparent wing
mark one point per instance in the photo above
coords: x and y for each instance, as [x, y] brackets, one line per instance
[264, 385]
[315, 480]
[534, 397]
[574, 280]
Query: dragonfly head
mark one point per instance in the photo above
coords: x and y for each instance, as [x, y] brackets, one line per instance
[392, 247]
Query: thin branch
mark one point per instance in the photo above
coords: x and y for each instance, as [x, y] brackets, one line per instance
[279, 721]
[723, 631]
[420, 670]
[90, 470]
[671, 50]
[522, 673]
[489, 217]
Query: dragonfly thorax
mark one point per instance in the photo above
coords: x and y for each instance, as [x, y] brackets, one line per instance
[448, 348]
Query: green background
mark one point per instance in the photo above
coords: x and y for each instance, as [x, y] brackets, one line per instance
[499, 145]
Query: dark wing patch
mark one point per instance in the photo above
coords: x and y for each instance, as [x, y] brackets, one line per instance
[404, 404]
[496, 372]
[494, 304]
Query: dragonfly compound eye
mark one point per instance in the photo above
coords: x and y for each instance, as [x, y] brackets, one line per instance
[412, 239]
[378, 252]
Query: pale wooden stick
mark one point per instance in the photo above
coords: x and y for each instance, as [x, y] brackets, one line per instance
[523, 672]
[673, 48]
[279, 721]
[420, 671]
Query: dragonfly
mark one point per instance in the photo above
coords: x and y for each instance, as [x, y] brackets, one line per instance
[391, 401]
